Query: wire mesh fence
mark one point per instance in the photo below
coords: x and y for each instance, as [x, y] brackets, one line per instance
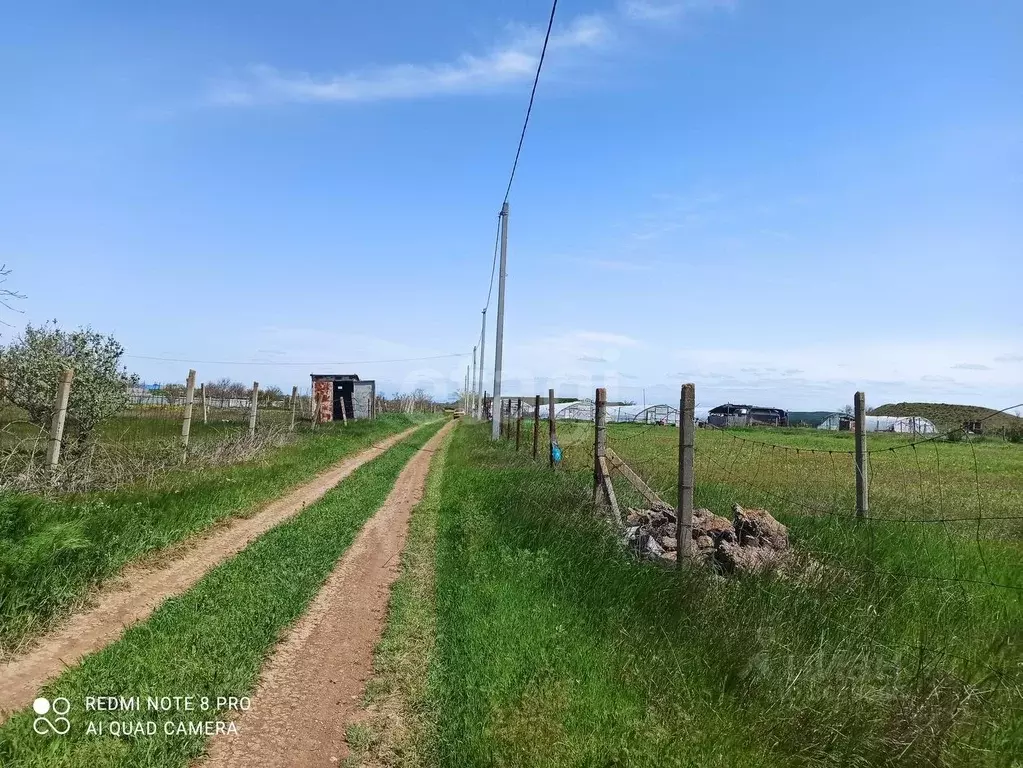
[141, 433]
[921, 594]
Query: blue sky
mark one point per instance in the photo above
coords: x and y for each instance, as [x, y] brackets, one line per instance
[781, 201]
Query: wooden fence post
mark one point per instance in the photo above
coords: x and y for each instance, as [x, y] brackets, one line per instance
[59, 417]
[186, 424]
[551, 426]
[686, 430]
[205, 407]
[536, 425]
[253, 408]
[294, 406]
[860, 411]
[599, 437]
[344, 410]
[518, 423]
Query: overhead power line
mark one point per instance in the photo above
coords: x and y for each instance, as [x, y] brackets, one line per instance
[493, 266]
[501, 240]
[532, 95]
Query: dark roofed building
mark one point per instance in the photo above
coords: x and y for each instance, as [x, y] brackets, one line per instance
[731, 415]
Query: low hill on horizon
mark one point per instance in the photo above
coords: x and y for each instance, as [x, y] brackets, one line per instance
[946, 416]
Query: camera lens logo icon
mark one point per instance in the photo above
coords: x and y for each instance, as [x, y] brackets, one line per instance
[59, 725]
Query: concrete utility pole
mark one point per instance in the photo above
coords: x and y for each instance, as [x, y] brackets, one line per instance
[480, 398]
[472, 391]
[495, 425]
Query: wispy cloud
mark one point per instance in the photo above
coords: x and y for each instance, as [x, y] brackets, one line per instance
[669, 10]
[592, 359]
[511, 61]
[1009, 359]
[971, 367]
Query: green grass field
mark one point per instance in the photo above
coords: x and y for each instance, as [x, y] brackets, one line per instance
[212, 640]
[555, 648]
[54, 550]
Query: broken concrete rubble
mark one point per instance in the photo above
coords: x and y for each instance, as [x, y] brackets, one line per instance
[752, 541]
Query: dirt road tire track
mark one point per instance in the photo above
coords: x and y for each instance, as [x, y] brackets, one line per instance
[313, 684]
[139, 591]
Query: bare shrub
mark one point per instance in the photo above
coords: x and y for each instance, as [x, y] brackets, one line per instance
[109, 466]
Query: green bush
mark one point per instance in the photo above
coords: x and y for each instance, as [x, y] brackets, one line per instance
[33, 364]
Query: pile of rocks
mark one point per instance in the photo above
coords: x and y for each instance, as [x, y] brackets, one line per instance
[752, 541]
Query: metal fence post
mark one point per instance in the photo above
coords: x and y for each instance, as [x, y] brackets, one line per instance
[860, 410]
[186, 424]
[253, 408]
[536, 425]
[205, 407]
[599, 437]
[294, 406]
[518, 423]
[686, 444]
[59, 417]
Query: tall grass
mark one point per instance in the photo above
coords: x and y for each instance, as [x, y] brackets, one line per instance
[555, 648]
[53, 550]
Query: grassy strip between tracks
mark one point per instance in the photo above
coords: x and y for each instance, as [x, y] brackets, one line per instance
[402, 730]
[53, 551]
[555, 649]
[212, 640]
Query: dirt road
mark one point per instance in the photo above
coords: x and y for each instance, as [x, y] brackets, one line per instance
[139, 591]
[313, 683]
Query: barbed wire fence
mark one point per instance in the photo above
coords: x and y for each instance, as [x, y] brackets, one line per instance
[933, 530]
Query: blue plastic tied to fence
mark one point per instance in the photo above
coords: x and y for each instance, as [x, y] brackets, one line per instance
[556, 451]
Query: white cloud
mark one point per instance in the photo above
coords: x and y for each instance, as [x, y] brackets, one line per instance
[513, 61]
[669, 10]
[510, 61]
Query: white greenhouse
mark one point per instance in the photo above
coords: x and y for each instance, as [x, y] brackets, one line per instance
[582, 410]
[913, 425]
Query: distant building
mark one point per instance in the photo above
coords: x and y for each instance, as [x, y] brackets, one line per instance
[332, 392]
[731, 415]
[914, 425]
